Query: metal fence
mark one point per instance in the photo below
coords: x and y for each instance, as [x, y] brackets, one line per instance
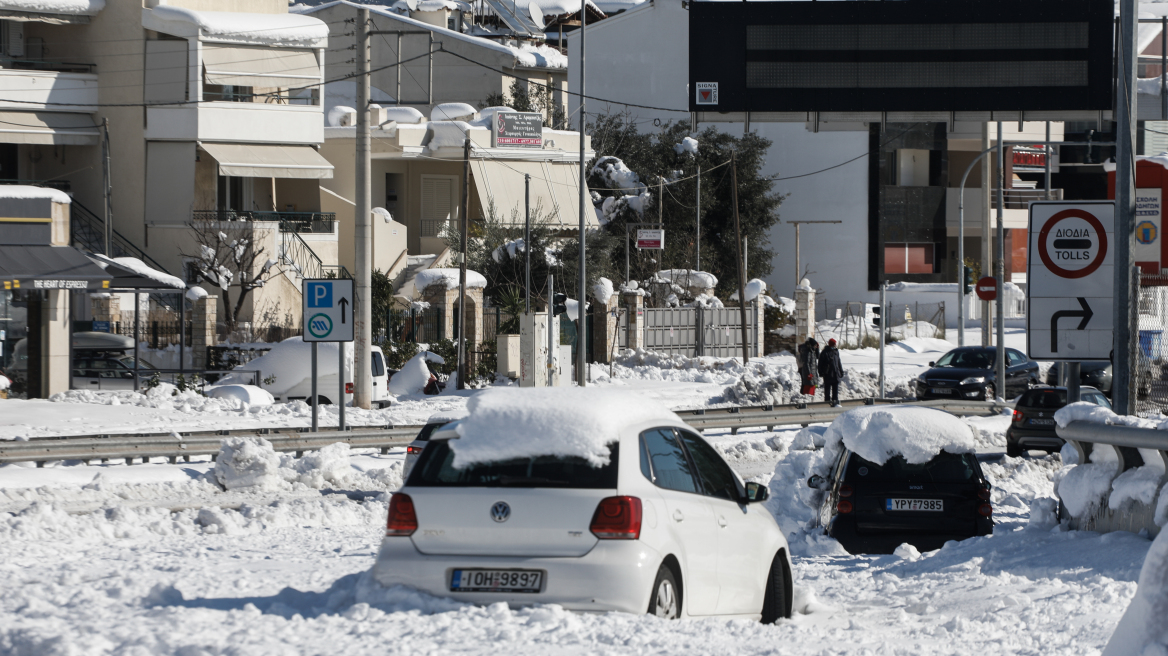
[694, 331]
[856, 324]
[423, 326]
[1151, 362]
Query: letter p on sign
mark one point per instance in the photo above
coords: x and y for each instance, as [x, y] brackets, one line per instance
[320, 294]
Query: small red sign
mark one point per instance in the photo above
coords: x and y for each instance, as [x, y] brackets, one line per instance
[987, 288]
[654, 239]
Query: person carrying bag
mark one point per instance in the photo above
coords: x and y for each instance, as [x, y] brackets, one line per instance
[808, 360]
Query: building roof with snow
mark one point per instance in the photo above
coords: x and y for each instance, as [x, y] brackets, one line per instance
[59, 7]
[287, 30]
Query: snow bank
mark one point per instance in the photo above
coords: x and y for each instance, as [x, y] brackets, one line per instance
[71, 7]
[507, 423]
[249, 394]
[690, 278]
[877, 433]
[1142, 630]
[248, 463]
[448, 278]
[414, 374]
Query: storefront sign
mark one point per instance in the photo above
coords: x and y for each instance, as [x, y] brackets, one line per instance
[101, 326]
[60, 284]
[517, 130]
[1149, 213]
[651, 239]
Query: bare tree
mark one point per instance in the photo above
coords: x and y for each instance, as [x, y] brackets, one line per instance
[227, 256]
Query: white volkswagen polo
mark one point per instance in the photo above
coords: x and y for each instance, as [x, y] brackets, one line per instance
[590, 499]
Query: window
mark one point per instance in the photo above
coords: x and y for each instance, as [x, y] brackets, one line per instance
[438, 206]
[717, 479]
[944, 468]
[664, 462]
[435, 468]
[908, 258]
[378, 364]
[1015, 358]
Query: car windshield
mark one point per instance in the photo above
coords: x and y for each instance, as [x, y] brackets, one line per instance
[428, 430]
[436, 468]
[1051, 399]
[128, 362]
[944, 468]
[967, 360]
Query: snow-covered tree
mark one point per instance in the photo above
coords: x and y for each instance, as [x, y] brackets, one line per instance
[226, 256]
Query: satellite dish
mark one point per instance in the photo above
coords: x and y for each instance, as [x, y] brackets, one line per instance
[536, 15]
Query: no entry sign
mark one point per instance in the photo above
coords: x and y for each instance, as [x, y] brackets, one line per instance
[987, 288]
[1071, 280]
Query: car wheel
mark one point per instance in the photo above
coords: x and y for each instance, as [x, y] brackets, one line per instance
[989, 393]
[665, 602]
[1013, 450]
[775, 604]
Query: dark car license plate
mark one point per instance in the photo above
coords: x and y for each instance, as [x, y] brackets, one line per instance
[1042, 422]
[941, 390]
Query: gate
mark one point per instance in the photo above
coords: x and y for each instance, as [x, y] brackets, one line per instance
[696, 331]
[671, 330]
[722, 332]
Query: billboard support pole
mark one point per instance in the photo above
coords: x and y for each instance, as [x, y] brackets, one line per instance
[1000, 256]
[1125, 206]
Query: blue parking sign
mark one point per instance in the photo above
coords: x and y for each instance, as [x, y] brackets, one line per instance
[328, 309]
[320, 294]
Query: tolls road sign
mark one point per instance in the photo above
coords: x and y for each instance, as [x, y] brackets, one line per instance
[328, 310]
[1070, 275]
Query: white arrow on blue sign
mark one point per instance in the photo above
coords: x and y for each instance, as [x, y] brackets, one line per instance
[328, 310]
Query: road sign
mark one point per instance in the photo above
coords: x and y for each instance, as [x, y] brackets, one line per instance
[651, 239]
[328, 310]
[1070, 281]
[1147, 252]
[987, 288]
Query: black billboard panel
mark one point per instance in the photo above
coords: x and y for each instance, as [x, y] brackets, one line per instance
[904, 55]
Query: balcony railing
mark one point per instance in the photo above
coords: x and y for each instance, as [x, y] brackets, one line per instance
[1019, 199]
[301, 222]
[50, 66]
[431, 228]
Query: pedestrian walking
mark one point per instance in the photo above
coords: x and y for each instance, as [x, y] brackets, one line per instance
[832, 370]
[808, 360]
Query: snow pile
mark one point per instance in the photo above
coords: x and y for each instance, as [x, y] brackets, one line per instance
[804, 286]
[1082, 487]
[687, 145]
[249, 394]
[754, 288]
[269, 29]
[602, 291]
[289, 361]
[705, 301]
[1089, 412]
[195, 293]
[414, 374]
[1142, 630]
[689, 278]
[447, 134]
[453, 111]
[341, 116]
[573, 309]
[71, 7]
[877, 433]
[759, 390]
[503, 424]
[406, 115]
[5, 383]
[542, 55]
[447, 278]
[248, 463]
[326, 465]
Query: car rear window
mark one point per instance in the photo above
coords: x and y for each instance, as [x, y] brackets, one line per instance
[1044, 398]
[428, 430]
[945, 468]
[435, 468]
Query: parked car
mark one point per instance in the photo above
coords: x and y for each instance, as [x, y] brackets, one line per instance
[873, 508]
[423, 438]
[665, 527]
[1097, 374]
[101, 361]
[1033, 424]
[327, 387]
[968, 373]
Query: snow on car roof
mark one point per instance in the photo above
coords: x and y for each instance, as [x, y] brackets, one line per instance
[878, 433]
[503, 424]
[447, 416]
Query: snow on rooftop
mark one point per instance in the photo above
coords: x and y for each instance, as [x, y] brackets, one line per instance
[877, 433]
[142, 269]
[503, 424]
[447, 278]
[69, 7]
[343, 93]
[31, 192]
[269, 29]
[452, 111]
[447, 134]
[561, 7]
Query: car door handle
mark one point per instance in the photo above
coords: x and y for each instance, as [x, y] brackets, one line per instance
[722, 521]
[678, 516]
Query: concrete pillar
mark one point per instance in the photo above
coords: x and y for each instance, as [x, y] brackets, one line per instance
[604, 326]
[203, 333]
[55, 372]
[760, 327]
[804, 312]
[634, 305]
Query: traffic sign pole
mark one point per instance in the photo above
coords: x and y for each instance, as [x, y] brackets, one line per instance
[1000, 387]
[315, 399]
[1125, 208]
[341, 378]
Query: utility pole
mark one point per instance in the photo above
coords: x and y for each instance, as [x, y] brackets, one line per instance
[738, 244]
[462, 228]
[363, 251]
[698, 221]
[581, 332]
[1125, 209]
[798, 254]
[884, 319]
[1000, 386]
[986, 245]
[526, 240]
[105, 171]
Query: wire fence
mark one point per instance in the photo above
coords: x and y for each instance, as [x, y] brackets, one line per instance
[1151, 363]
[856, 324]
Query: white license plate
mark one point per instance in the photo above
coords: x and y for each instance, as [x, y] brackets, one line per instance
[1042, 422]
[495, 580]
[942, 390]
[919, 505]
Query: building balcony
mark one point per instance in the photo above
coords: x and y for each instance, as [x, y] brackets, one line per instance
[299, 222]
[240, 122]
[29, 90]
[1015, 214]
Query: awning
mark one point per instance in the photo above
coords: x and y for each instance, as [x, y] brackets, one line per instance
[49, 267]
[133, 274]
[48, 128]
[554, 191]
[268, 161]
[259, 67]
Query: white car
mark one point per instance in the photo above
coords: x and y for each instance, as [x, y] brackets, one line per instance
[666, 527]
[423, 438]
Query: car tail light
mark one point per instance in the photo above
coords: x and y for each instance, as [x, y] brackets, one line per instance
[1017, 416]
[348, 388]
[617, 518]
[845, 491]
[403, 521]
[843, 507]
[985, 510]
[413, 450]
[984, 493]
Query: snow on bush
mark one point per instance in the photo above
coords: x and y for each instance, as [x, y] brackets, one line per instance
[689, 278]
[249, 394]
[1143, 631]
[616, 175]
[447, 278]
[507, 423]
[687, 145]
[414, 374]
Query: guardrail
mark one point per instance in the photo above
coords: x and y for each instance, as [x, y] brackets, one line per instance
[1131, 446]
[145, 446]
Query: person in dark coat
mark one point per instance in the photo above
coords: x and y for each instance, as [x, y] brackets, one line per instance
[808, 360]
[832, 370]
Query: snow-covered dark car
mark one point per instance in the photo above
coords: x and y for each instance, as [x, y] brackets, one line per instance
[968, 372]
[1033, 424]
[416, 447]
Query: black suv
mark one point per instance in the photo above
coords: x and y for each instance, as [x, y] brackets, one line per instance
[967, 372]
[873, 508]
[1033, 424]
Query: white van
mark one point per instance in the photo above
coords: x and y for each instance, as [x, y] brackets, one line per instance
[327, 387]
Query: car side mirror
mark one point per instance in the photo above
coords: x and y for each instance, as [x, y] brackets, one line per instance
[931, 363]
[816, 482]
[756, 492]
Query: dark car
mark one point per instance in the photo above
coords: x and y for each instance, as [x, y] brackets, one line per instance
[873, 508]
[1033, 424]
[968, 373]
[1097, 374]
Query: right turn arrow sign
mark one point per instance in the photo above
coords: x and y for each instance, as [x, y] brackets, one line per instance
[1085, 313]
